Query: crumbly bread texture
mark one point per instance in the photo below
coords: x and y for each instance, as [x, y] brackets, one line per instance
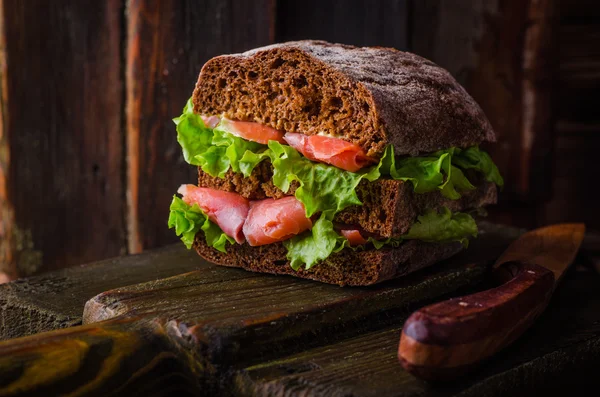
[354, 268]
[370, 96]
[389, 207]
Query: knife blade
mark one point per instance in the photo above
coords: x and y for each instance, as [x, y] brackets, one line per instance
[448, 339]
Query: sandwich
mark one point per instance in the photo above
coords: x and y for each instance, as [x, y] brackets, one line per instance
[331, 162]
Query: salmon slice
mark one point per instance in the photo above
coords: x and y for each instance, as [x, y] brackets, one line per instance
[272, 220]
[210, 121]
[251, 131]
[354, 237]
[334, 151]
[228, 210]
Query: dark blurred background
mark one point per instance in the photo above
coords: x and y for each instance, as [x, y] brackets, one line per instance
[88, 154]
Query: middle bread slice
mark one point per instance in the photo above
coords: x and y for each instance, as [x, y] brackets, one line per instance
[390, 207]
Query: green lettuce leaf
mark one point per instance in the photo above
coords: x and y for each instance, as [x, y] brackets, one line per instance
[234, 149]
[322, 187]
[474, 158]
[315, 245]
[443, 226]
[250, 160]
[427, 173]
[325, 187]
[189, 220]
[193, 136]
[214, 150]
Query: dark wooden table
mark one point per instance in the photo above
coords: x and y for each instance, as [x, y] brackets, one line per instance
[150, 330]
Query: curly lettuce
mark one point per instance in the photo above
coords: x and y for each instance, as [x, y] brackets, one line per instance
[214, 150]
[442, 226]
[322, 187]
[314, 245]
[478, 160]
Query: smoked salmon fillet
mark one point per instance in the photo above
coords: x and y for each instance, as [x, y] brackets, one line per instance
[228, 210]
[334, 151]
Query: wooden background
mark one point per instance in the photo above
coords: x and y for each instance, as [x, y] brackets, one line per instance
[88, 155]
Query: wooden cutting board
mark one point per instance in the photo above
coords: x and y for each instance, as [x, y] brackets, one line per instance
[217, 330]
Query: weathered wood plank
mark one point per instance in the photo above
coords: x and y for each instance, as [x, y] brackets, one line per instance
[216, 317]
[120, 358]
[168, 42]
[578, 127]
[61, 110]
[356, 22]
[539, 72]
[576, 147]
[253, 318]
[450, 33]
[8, 266]
[244, 320]
[214, 329]
[559, 354]
[55, 300]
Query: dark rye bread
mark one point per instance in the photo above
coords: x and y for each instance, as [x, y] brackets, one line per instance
[370, 96]
[354, 268]
[389, 207]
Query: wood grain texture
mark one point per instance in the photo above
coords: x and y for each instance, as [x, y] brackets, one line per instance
[201, 323]
[233, 316]
[213, 319]
[578, 126]
[559, 354]
[576, 148]
[62, 117]
[357, 22]
[540, 70]
[450, 33]
[552, 247]
[56, 300]
[200, 336]
[8, 266]
[168, 42]
[120, 358]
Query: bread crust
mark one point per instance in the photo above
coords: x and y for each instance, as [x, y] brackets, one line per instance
[352, 268]
[370, 96]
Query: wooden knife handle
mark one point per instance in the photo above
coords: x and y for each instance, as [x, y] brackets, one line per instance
[447, 339]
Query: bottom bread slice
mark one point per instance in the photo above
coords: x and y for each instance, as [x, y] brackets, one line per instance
[348, 267]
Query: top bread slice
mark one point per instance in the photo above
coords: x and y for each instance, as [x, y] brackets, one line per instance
[369, 96]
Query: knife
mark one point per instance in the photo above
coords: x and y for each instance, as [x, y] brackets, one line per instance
[448, 339]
